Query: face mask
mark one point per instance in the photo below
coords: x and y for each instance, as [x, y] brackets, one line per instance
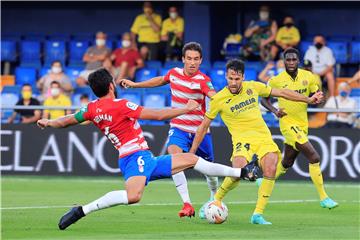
[56, 69]
[319, 45]
[54, 92]
[343, 93]
[289, 25]
[264, 15]
[173, 15]
[125, 43]
[100, 42]
[83, 104]
[26, 95]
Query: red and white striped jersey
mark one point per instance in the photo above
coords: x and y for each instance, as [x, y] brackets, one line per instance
[183, 88]
[116, 118]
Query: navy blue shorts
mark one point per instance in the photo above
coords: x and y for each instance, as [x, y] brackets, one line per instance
[143, 163]
[184, 140]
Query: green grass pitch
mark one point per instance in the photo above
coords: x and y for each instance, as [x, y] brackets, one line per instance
[32, 206]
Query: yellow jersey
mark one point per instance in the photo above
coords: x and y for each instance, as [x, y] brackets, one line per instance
[61, 100]
[288, 35]
[142, 27]
[176, 26]
[241, 112]
[304, 83]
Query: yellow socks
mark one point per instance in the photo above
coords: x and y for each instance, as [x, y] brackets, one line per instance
[316, 177]
[280, 170]
[264, 194]
[228, 184]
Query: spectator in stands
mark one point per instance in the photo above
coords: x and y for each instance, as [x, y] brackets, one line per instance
[94, 58]
[271, 70]
[57, 99]
[288, 35]
[323, 62]
[260, 36]
[355, 78]
[308, 66]
[107, 64]
[27, 115]
[172, 32]
[56, 74]
[84, 100]
[126, 59]
[342, 101]
[147, 27]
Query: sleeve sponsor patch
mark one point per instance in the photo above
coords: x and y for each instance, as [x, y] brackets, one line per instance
[132, 106]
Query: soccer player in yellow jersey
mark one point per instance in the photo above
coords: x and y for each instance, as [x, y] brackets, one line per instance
[238, 107]
[294, 121]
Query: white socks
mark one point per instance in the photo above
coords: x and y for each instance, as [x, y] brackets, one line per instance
[108, 200]
[181, 186]
[213, 185]
[215, 169]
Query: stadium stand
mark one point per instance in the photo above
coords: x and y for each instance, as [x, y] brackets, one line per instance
[145, 74]
[8, 50]
[25, 75]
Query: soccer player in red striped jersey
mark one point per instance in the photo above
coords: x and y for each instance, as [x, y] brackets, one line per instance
[186, 83]
[117, 119]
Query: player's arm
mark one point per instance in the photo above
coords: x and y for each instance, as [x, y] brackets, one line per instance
[200, 134]
[153, 82]
[61, 122]
[266, 102]
[163, 114]
[294, 96]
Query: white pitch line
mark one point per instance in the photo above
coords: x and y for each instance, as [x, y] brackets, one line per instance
[175, 204]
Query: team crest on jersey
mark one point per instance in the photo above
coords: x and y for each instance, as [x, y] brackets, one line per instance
[305, 82]
[249, 92]
[132, 106]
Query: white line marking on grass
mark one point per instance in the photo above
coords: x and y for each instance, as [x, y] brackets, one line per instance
[175, 204]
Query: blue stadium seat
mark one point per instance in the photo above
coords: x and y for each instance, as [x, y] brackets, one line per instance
[77, 50]
[31, 64]
[145, 74]
[257, 65]
[355, 52]
[8, 50]
[11, 36]
[173, 64]
[303, 47]
[219, 65]
[43, 71]
[153, 65]
[163, 71]
[25, 75]
[12, 89]
[84, 90]
[35, 37]
[132, 95]
[340, 50]
[355, 92]
[218, 79]
[54, 50]
[342, 38]
[232, 50]
[205, 67]
[84, 37]
[154, 100]
[73, 74]
[250, 74]
[7, 100]
[59, 37]
[30, 51]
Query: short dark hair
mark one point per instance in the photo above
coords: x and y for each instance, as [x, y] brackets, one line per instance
[84, 96]
[193, 46]
[55, 82]
[26, 85]
[291, 50]
[100, 81]
[235, 64]
[56, 61]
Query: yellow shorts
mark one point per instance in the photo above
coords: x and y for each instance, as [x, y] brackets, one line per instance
[260, 149]
[294, 134]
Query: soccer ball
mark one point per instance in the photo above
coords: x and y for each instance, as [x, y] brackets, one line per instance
[216, 212]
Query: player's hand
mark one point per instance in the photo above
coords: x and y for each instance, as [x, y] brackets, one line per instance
[43, 123]
[317, 98]
[280, 113]
[125, 83]
[192, 105]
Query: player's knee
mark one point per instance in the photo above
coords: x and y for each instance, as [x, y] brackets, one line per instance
[270, 165]
[134, 197]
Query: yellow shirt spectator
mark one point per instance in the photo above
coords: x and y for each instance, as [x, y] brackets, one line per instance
[288, 36]
[142, 27]
[169, 25]
[61, 100]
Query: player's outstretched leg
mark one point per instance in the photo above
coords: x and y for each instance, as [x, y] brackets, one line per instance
[134, 189]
